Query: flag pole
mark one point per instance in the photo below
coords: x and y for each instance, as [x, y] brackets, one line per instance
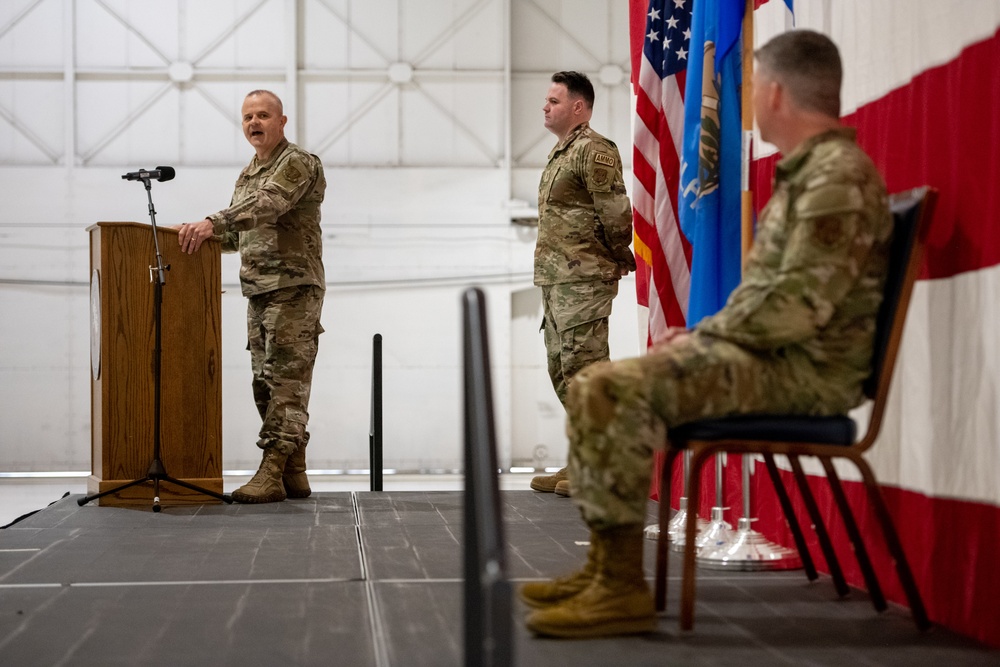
[746, 112]
[746, 549]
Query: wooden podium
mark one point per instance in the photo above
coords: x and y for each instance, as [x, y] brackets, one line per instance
[122, 383]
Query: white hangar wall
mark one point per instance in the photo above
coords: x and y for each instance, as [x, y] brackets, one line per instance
[427, 116]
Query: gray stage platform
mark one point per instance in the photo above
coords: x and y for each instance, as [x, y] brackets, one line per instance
[375, 579]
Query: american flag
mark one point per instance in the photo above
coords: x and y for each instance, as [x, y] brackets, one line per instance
[664, 273]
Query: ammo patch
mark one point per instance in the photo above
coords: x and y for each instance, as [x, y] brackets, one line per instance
[601, 158]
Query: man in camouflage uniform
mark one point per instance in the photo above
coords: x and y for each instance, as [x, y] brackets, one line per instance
[795, 337]
[273, 220]
[584, 231]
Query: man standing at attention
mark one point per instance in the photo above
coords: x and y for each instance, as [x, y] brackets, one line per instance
[273, 220]
[795, 337]
[584, 231]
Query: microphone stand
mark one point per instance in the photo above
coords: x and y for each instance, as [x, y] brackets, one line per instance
[157, 471]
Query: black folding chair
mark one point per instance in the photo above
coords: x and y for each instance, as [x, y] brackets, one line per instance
[824, 437]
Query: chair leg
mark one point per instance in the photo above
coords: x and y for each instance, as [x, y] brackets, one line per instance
[662, 546]
[698, 458]
[864, 562]
[895, 546]
[793, 522]
[839, 583]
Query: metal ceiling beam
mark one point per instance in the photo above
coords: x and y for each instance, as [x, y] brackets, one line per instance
[69, 84]
[227, 33]
[561, 28]
[135, 31]
[508, 102]
[27, 133]
[449, 32]
[292, 72]
[354, 117]
[20, 16]
[447, 113]
[131, 118]
[354, 31]
[293, 37]
[224, 111]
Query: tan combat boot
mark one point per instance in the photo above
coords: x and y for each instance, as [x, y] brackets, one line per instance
[563, 489]
[617, 601]
[541, 594]
[266, 486]
[547, 483]
[294, 477]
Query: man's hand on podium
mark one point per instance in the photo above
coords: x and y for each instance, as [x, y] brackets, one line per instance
[191, 235]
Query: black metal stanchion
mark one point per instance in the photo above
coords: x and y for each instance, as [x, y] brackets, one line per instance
[375, 425]
[488, 636]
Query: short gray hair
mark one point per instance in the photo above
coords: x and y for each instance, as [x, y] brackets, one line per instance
[281, 107]
[807, 64]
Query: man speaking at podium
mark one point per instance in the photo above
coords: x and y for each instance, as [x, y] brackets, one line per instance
[273, 220]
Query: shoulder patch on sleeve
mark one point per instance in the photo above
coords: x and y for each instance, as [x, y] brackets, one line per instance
[829, 198]
[604, 158]
[830, 231]
[292, 173]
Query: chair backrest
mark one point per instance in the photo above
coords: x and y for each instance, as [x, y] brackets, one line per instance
[911, 212]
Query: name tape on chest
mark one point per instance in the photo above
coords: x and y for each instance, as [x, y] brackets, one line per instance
[601, 158]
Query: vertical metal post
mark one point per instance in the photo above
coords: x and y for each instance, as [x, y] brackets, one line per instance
[487, 635]
[747, 462]
[677, 525]
[746, 113]
[69, 83]
[719, 496]
[294, 31]
[375, 426]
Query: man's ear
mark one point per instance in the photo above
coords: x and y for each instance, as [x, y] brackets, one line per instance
[776, 95]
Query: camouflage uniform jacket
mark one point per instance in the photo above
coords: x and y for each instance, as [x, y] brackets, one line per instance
[584, 215]
[273, 219]
[814, 279]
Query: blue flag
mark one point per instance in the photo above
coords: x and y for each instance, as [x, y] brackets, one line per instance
[709, 201]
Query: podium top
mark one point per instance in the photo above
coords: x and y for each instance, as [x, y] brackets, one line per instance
[138, 225]
[128, 223]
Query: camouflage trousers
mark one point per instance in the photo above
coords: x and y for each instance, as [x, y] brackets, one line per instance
[575, 328]
[619, 413]
[283, 330]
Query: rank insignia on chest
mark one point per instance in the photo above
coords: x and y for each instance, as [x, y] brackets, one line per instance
[601, 158]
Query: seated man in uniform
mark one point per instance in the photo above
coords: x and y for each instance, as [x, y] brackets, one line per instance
[795, 337]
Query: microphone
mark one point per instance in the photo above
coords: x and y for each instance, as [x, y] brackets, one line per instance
[160, 174]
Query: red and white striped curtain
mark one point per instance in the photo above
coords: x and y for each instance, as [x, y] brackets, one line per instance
[922, 87]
